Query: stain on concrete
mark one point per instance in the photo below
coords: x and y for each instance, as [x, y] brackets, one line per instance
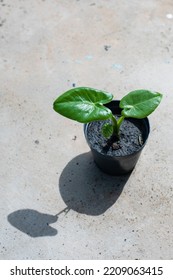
[117, 66]
[107, 47]
[36, 142]
[2, 22]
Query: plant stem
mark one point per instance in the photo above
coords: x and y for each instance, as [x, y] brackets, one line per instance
[115, 125]
[119, 122]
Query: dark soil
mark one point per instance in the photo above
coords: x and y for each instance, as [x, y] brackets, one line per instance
[130, 139]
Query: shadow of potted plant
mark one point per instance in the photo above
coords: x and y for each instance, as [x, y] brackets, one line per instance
[116, 131]
[86, 189]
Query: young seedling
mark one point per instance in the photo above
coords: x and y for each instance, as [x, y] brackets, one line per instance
[85, 105]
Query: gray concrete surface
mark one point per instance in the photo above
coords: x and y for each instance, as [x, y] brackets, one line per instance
[55, 204]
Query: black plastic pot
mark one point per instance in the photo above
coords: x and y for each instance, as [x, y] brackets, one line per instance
[119, 165]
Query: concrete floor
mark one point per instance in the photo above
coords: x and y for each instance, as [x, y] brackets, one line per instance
[55, 203]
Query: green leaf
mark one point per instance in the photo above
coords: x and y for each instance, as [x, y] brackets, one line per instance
[140, 103]
[83, 104]
[107, 130]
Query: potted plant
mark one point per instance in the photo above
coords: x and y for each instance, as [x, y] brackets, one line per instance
[116, 131]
